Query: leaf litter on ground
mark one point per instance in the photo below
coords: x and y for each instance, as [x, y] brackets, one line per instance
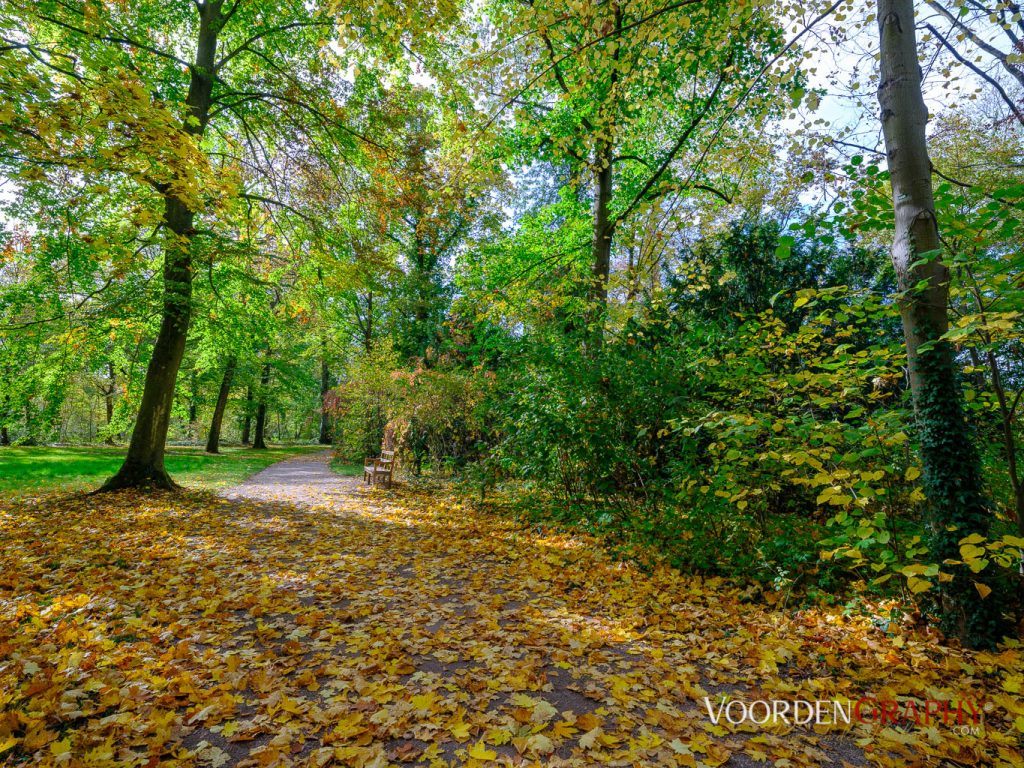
[325, 624]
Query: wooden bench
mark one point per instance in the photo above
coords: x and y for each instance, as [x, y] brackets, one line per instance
[376, 470]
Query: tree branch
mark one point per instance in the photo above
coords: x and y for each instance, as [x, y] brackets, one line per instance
[266, 33]
[117, 41]
[680, 142]
[979, 72]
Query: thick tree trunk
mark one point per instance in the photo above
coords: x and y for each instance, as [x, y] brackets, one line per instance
[213, 439]
[247, 421]
[144, 464]
[325, 417]
[952, 470]
[259, 439]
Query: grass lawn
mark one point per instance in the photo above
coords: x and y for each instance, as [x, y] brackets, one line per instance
[40, 469]
[343, 467]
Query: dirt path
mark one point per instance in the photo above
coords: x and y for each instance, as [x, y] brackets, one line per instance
[304, 480]
[447, 625]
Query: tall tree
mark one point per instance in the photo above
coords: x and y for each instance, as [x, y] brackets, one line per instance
[247, 416]
[952, 470]
[259, 437]
[213, 439]
[255, 81]
[325, 415]
[632, 96]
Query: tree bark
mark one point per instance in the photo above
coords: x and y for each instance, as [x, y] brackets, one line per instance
[601, 243]
[5, 435]
[213, 439]
[108, 394]
[108, 399]
[604, 225]
[144, 464]
[325, 417]
[259, 441]
[247, 421]
[952, 469]
[193, 399]
[368, 327]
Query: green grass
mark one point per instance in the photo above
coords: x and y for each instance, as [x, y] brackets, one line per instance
[41, 469]
[345, 468]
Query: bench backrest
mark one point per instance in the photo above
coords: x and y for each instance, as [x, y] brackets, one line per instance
[387, 457]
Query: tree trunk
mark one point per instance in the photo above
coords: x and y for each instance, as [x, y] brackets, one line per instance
[604, 225]
[247, 421]
[601, 244]
[325, 417]
[108, 399]
[144, 464]
[368, 335]
[193, 398]
[213, 439]
[952, 470]
[259, 441]
[5, 435]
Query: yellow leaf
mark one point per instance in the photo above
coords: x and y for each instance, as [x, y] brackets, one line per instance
[971, 552]
[460, 731]
[543, 711]
[587, 739]
[481, 752]
[540, 744]
[7, 744]
[498, 736]
[918, 585]
[563, 729]
[983, 589]
[423, 700]
[912, 473]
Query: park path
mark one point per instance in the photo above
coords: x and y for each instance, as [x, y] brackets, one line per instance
[473, 646]
[304, 480]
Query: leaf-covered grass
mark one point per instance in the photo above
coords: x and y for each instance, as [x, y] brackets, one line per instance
[26, 470]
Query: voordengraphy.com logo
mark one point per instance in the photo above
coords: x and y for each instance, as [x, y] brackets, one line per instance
[866, 710]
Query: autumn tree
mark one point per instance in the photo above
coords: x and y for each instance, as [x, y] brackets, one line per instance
[634, 97]
[952, 471]
[252, 75]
